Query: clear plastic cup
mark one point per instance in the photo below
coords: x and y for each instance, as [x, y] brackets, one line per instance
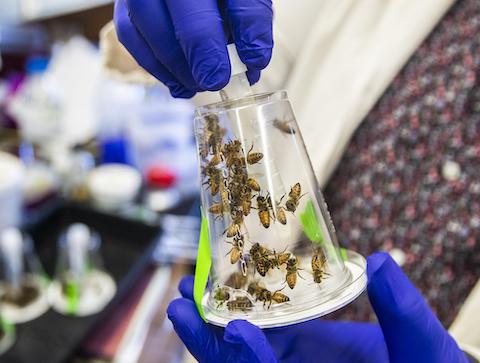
[23, 283]
[275, 257]
[81, 286]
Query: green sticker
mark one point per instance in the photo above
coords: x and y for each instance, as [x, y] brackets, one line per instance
[202, 269]
[6, 326]
[343, 254]
[72, 292]
[311, 227]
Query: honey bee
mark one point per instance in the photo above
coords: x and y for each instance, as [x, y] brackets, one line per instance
[254, 288]
[284, 126]
[214, 142]
[236, 253]
[279, 297]
[232, 230]
[231, 147]
[216, 209]
[292, 272]
[253, 184]
[214, 176]
[246, 206]
[203, 148]
[263, 207]
[230, 151]
[224, 198]
[212, 122]
[214, 133]
[253, 157]
[215, 160]
[221, 296]
[237, 220]
[294, 198]
[281, 215]
[267, 296]
[278, 259]
[260, 257]
[236, 280]
[319, 262]
[236, 164]
[241, 303]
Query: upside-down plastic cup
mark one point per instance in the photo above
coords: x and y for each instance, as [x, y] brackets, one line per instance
[81, 286]
[23, 282]
[274, 255]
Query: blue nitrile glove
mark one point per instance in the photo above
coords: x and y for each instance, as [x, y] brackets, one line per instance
[408, 331]
[183, 43]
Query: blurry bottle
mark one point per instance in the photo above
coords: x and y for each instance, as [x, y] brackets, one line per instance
[37, 106]
[115, 104]
[161, 137]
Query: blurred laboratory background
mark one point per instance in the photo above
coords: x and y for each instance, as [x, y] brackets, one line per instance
[99, 184]
[99, 205]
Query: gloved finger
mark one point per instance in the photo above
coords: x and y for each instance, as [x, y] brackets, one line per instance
[253, 76]
[198, 28]
[200, 339]
[132, 40]
[154, 23]
[186, 287]
[333, 341]
[412, 332]
[251, 27]
[252, 344]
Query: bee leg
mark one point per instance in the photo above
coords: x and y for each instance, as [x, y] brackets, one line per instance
[249, 151]
[298, 273]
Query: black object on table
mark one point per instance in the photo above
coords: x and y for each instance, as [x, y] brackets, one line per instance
[126, 250]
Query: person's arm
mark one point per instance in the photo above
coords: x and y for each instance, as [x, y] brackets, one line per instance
[466, 327]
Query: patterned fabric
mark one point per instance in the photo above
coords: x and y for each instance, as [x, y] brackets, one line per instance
[410, 178]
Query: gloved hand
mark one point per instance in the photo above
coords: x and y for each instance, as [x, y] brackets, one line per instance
[408, 332]
[183, 43]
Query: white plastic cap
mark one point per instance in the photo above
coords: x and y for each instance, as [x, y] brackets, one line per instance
[235, 62]
[11, 241]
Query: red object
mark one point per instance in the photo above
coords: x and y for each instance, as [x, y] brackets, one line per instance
[160, 177]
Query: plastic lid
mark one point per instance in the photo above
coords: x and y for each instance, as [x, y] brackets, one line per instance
[160, 177]
[235, 62]
[37, 64]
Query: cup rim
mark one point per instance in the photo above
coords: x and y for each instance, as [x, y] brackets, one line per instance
[255, 99]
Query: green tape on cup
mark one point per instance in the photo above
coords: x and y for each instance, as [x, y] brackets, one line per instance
[343, 254]
[6, 326]
[202, 269]
[311, 227]
[72, 293]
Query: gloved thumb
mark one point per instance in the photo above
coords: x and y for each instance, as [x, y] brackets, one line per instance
[251, 344]
[411, 331]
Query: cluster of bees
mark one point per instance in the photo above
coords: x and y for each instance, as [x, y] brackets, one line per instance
[238, 194]
[264, 259]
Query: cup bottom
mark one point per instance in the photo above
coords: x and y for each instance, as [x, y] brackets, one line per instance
[348, 291]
